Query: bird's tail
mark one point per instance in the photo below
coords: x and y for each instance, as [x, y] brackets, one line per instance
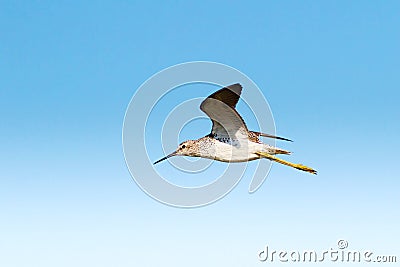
[280, 151]
[287, 163]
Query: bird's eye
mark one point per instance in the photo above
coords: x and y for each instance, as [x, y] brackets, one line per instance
[183, 146]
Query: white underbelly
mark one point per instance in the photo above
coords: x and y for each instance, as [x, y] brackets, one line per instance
[244, 151]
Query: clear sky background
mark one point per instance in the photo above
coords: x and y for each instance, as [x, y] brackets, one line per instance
[329, 70]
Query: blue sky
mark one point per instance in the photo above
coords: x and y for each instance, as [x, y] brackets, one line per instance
[329, 70]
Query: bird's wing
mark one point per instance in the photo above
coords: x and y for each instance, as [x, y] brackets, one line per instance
[258, 134]
[229, 95]
[220, 107]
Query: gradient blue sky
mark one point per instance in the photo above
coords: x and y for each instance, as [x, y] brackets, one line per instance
[329, 70]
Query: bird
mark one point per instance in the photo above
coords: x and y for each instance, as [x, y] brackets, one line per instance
[230, 140]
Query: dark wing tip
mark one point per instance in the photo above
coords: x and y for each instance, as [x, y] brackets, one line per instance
[283, 139]
[229, 95]
[272, 136]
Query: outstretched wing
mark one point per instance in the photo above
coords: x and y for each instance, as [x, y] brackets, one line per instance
[258, 134]
[229, 95]
[220, 107]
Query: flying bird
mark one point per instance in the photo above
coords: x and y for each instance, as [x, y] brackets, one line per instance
[230, 140]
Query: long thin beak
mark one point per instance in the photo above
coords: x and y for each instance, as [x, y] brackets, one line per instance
[164, 158]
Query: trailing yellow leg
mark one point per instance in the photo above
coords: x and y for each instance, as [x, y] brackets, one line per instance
[287, 163]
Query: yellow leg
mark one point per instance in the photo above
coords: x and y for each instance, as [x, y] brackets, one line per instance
[287, 163]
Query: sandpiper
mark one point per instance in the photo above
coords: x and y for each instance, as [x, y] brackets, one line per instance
[230, 140]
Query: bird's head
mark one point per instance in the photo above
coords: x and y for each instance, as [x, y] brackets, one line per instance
[187, 148]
